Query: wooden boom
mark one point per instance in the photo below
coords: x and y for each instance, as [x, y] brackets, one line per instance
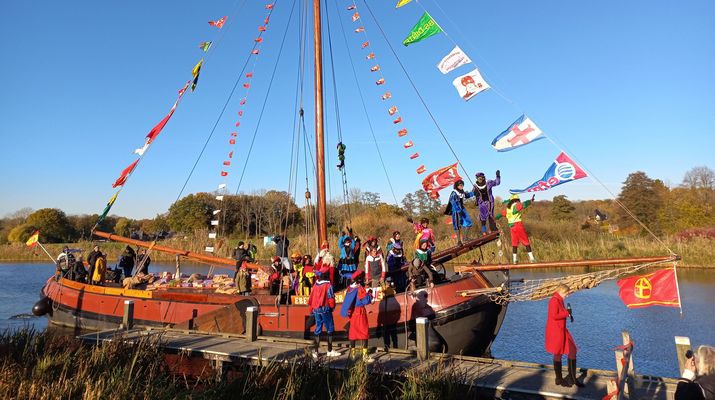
[572, 263]
[213, 260]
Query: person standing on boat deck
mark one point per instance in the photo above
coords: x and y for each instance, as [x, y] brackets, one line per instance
[356, 298]
[558, 341]
[346, 263]
[321, 303]
[126, 261]
[241, 257]
[357, 246]
[396, 238]
[460, 217]
[99, 274]
[324, 258]
[307, 277]
[485, 200]
[424, 232]
[512, 212]
[243, 280]
[274, 278]
[395, 261]
[143, 261]
[375, 268]
[282, 244]
[91, 261]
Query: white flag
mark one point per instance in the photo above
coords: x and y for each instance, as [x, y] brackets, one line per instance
[471, 84]
[219, 198]
[214, 222]
[216, 211]
[140, 151]
[221, 186]
[209, 249]
[455, 59]
[212, 235]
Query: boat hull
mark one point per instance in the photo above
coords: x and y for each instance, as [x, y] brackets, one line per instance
[460, 325]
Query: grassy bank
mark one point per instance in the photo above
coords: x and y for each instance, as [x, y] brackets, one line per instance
[37, 365]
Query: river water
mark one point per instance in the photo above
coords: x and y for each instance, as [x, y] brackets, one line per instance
[599, 318]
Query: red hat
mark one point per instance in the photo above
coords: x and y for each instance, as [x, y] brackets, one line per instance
[324, 246]
[357, 274]
[275, 258]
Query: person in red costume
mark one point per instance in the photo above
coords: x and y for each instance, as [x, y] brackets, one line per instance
[356, 298]
[558, 340]
[321, 303]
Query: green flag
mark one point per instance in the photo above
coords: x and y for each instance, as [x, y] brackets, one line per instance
[107, 208]
[425, 28]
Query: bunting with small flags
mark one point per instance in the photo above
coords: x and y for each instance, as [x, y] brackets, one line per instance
[125, 174]
[218, 23]
[471, 84]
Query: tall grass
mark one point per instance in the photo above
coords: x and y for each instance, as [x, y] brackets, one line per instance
[45, 365]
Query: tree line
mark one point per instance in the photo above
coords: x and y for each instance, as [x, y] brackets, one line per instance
[665, 210]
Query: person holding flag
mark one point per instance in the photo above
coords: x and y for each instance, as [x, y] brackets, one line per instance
[512, 212]
[558, 340]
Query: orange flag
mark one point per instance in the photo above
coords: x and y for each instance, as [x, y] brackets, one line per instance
[32, 241]
[657, 289]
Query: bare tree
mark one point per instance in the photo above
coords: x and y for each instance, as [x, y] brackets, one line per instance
[700, 177]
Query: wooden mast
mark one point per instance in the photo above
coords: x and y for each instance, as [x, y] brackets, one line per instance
[321, 223]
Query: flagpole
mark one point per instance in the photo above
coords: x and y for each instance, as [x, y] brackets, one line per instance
[677, 287]
[46, 252]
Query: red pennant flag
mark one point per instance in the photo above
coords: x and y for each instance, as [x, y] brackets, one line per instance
[402, 132]
[397, 120]
[224, 173]
[230, 155]
[412, 157]
[247, 85]
[421, 169]
[240, 113]
[440, 179]
[249, 74]
[234, 134]
[370, 56]
[380, 81]
[255, 51]
[392, 110]
[258, 39]
[265, 21]
[408, 144]
[232, 141]
[386, 96]
[243, 101]
[219, 23]
[238, 123]
[356, 16]
[227, 163]
[261, 28]
[657, 289]
[125, 173]
[269, 6]
[365, 44]
[360, 29]
[375, 68]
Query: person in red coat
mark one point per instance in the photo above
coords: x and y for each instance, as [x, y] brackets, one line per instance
[356, 298]
[558, 340]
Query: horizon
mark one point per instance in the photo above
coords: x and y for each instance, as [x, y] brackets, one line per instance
[623, 94]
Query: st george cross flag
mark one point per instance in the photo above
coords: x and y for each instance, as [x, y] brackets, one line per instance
[471, 84]
[219, 23]
[522, 131]
[455, 59]
[561, 171]
[423, 29]
[125, 173]
[440, 179]
[657, 289]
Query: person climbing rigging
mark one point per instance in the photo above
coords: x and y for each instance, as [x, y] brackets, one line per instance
[455, 207]
[485, 200]
[341, 155]
[512, 212]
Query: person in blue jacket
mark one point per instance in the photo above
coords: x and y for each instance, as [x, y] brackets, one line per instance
[460, 217]
[347, 263]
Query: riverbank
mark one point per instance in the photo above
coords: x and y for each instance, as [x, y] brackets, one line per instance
[697, 252]
[50, 366]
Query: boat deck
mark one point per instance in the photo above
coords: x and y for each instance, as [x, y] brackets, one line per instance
[491, 377]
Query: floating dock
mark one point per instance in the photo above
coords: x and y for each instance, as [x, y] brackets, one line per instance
[489, 377]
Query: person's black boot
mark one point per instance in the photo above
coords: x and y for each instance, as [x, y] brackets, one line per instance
[572, 373]
[559, 374]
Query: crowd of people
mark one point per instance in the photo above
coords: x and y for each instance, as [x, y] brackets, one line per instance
[95, 271]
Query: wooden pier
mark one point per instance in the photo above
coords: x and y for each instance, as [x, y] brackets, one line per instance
[489, 377]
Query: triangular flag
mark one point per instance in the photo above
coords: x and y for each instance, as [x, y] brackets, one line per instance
[110, 203]
[469, 85]
[205, 46]
[125, 173]
[141, 150]
[356, 16]
[195, 72]
[216, 211]
[408, 144]
[402, 132]
[423, 29]
[401, 3]
[455, 59]
[522, 131]
[412, 157]
[219, 23]
[421, 169]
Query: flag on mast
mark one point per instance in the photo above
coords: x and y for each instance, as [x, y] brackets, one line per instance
[522, 131]
[423, 29]
[110, 203]
[205, 46]
[440, 179]
[125, 174]
[218, 23]
[657, 289]
[563, 170]
[33, 239]
[195, 72]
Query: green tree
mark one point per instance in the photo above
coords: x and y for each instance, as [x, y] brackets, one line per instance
[419, 203]
[53, 225]
[643, 196]
[123, 227]
[191, 213]
[20, 233]
[562, 208]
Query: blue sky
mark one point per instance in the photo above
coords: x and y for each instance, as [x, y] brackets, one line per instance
[624, 86]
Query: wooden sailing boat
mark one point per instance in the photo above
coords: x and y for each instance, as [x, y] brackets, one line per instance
[462, 324]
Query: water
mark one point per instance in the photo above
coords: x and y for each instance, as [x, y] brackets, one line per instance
[599, 318]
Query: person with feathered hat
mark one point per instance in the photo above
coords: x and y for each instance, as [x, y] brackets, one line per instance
[512, 213]
[356, 298]
[485, 200]
[460, 216]
[321, 303]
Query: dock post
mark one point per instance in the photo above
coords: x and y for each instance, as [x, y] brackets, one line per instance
[682, 344]
[422, 338]
[631, 368]
[128, 319]
[194, 314]
[624, 383]
[178, 268]
[252, 323]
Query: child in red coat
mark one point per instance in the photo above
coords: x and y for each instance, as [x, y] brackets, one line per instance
[558, 340]
[356, 298]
